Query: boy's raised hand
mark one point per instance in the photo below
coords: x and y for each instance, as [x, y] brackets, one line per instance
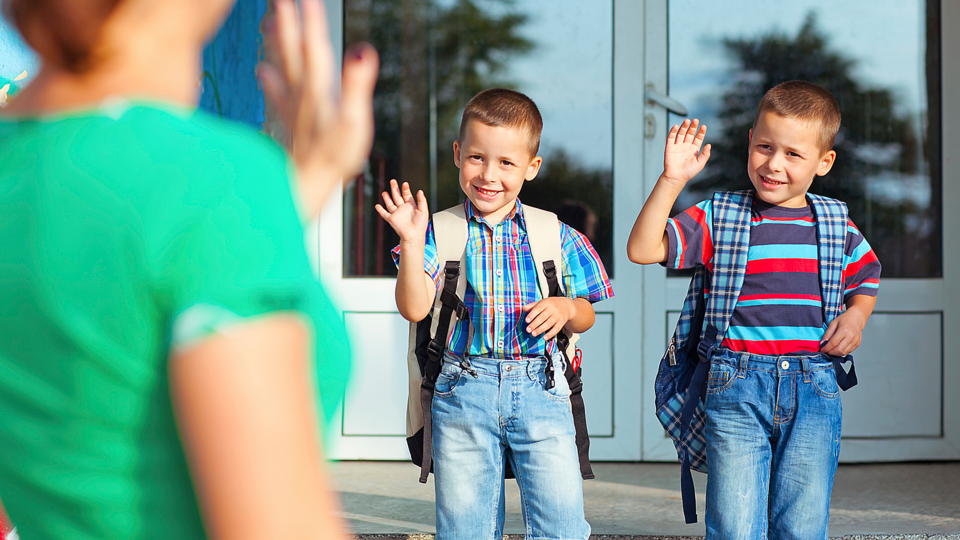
[682, 158]
[406, 215]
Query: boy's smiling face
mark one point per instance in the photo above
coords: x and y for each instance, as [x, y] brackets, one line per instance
[494, 162]
[785, 155]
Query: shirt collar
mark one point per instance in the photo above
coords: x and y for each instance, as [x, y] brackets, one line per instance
[516, 213]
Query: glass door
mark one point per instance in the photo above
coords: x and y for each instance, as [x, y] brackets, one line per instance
[435, 55]
[882, 60]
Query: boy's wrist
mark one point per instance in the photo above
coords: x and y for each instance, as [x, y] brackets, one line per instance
[858, 313]
[672, 181]
[417, 244]
[572, 307]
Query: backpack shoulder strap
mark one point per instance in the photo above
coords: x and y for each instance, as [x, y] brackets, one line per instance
[546, 246]
[731, 242]
[450, 233]
[543, 234]
[831, 216]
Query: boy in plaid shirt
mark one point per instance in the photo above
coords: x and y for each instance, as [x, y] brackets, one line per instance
[772, 401]
[491, 400]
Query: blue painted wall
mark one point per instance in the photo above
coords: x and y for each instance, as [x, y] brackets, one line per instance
[230, 86]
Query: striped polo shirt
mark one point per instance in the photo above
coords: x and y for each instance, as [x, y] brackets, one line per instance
[779, 310]
[501, 278]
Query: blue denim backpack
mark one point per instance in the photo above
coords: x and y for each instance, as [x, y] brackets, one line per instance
[704, 320]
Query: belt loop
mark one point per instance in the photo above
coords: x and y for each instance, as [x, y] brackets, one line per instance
[742, 365]
[805, 365]
[533, 370]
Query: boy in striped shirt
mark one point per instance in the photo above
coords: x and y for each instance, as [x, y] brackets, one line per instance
[772, 406]
[491, 402]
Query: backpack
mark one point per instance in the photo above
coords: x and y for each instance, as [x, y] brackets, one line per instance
[681, 378]
[428, 338]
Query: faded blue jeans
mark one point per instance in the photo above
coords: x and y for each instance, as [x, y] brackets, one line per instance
[499, 410]
[773, 441]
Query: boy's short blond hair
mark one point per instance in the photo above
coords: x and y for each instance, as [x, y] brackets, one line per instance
[804, 101]
[507, 108]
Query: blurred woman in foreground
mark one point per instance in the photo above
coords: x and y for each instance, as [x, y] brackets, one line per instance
[159, 323]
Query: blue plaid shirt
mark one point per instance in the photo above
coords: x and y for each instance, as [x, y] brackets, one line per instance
[501, 279]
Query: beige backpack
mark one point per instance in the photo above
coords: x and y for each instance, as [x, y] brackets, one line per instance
[428, 338]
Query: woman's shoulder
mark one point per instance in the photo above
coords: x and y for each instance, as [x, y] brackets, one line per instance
[197, 138]
[146, 137]
[194, 155]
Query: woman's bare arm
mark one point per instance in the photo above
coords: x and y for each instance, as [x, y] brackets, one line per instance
[246, 408]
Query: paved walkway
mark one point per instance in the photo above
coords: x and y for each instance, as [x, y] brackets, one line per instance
[643, 501]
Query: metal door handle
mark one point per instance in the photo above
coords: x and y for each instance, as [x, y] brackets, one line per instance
[656, 98]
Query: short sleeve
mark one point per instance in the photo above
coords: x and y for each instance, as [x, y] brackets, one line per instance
[583, 273]
[690, 237]
[235, 248]
[431, 265]
[861, 267]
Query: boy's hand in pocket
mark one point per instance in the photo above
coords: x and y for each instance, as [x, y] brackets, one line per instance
[844, 334]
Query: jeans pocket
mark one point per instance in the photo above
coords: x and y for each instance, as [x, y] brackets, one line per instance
[447, 380]
[825, 383]
[720, 377]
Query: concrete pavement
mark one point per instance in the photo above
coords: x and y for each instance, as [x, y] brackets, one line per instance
[642, 500]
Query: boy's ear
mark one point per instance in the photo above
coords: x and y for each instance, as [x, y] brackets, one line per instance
[533, 168]
[826, 162]
[456, 153]
[750, 135]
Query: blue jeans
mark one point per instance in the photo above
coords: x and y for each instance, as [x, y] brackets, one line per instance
[500, 410]
[773, 440]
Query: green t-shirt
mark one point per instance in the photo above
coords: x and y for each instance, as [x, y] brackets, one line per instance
[125, 231]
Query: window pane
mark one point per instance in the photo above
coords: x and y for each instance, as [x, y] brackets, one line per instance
[880, 58]
[435, 55]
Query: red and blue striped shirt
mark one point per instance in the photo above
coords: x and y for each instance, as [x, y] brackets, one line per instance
[779, 310]
[501, 278]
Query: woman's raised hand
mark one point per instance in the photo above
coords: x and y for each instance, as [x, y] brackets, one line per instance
[328, 138]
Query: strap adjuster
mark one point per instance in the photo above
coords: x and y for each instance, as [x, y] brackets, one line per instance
[434, 348]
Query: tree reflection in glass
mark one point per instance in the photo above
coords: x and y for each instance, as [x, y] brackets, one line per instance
[887, 168]
[435, 55]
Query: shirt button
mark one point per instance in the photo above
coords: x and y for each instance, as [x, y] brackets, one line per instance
[501, 309]
[508, 368]
[500, 344]
[784, 364]
[499, 273]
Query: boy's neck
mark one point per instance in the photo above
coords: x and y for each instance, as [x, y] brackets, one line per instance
[757, 198]
[495, 217]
